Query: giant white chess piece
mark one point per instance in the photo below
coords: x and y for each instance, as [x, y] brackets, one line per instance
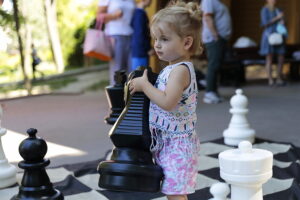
[238, 129]
[219, 191]
[246, 169]
[7, 171]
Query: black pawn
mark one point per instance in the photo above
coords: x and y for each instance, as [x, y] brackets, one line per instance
[35, 183]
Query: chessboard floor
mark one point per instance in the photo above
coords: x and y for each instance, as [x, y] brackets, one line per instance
[80, 181]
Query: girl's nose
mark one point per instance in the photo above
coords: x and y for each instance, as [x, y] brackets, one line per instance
[156, 45]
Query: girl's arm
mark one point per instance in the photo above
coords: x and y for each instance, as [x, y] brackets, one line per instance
[179, 79]
[102, 13]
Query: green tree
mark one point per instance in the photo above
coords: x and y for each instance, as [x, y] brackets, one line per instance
[5, 18]
[17, 22]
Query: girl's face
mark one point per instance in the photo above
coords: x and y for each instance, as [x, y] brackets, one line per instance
[168, 45]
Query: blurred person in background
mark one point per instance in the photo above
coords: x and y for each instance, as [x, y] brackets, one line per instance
[271, 17]
[216, 31]
[117, 16]
[141, 40]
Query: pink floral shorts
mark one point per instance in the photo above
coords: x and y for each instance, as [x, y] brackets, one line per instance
[180, 165]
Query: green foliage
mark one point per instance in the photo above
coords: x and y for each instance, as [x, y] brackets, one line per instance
[73, 20]
[8, 67]
[6, 18]
[99, 85]
[53, 84]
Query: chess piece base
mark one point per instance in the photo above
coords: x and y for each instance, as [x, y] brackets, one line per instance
[7, 171]
[129, 177]
[248, 187]
[7, 174]
[130, 170]
[233, 137]
[55, 195]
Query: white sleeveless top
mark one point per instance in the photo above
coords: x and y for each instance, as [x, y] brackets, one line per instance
[180, 122]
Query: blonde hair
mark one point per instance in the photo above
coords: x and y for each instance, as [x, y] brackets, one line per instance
[184, 19]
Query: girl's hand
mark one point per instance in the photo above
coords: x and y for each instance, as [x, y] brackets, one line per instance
[137, 84]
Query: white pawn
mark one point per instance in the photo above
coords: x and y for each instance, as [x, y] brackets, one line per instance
[238, 129]
[219, 191]
[7, 171]
[246, 169]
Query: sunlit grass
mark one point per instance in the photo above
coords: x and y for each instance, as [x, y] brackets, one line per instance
[99, 85]
[53, 84]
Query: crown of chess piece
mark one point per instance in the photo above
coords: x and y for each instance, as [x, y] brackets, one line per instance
[7, 171]
[239, 128]
[246, 169]
[219, 191]
[131, 167]
[115, 97]
[35, 183]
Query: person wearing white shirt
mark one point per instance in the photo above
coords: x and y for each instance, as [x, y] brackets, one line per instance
[117, 15]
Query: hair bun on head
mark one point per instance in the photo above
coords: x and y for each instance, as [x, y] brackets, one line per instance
[194, 10]
[192, 7]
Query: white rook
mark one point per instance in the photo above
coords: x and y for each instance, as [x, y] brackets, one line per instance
[7, 171]
[238, 129]
[219, 191]
[246, 169]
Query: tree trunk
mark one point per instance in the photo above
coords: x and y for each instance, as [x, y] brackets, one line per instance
[27, 52]
[50, 14]
[27, 82]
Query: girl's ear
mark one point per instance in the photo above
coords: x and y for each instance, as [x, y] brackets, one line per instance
[188, 42]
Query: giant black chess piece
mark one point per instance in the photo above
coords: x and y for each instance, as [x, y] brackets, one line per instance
[115, 97]
[131, 167]
[35, 183]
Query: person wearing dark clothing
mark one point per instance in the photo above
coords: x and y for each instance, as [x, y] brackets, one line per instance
[216, 32]
[140, 42]
[35, 60]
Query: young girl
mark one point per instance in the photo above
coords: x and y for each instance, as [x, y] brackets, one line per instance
[172, 112]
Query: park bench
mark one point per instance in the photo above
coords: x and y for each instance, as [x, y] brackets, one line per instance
[233, 71]
[250, 56]
[236, 61]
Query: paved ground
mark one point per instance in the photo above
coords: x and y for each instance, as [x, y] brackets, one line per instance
[74, 129]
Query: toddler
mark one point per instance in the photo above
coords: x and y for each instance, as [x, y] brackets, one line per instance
[172, 113]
